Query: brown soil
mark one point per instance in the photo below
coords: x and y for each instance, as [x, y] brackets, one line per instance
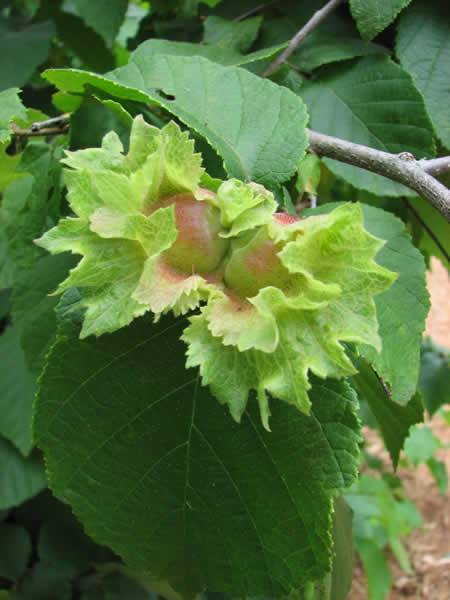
[428, 547]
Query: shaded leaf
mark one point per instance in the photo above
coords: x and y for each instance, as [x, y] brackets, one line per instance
[238, 35]
[394, 420]
[118, 586]
[15, 550]
[376, 567]
[33, 308]
[130, 26]
[438, 469]
[423, 48]
[81, 40]
[191, 478]
[22, 51]
[20, 478]
[224, 55]
[371, 102]
[43, 582]
[29, 206]
[342, 573]
[380, 520]
[323, 49]
[421, 445]
[64, 545]
[11, 108]
[434, 382]
[8, 165]
[336, 39]
[17, 391]
[372, 16]
[438, 242]
[102, 16]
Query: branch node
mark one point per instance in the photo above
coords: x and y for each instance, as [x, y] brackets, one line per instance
[402, 167]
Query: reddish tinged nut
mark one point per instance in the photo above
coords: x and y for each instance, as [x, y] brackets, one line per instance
[198, 247]
[256, 264]
[285, 219]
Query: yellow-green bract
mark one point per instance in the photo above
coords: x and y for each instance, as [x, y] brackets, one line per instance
[274, 297]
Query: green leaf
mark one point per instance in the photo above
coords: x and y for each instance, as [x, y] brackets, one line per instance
[13, 246]
[24, 345]
[372, 16]
[423, 48]
[402, 309]
[342, 574]
[130, 26]
[8, 165]
[238, 35]
[375, 104]
[17, 392]
[22, 51]
[380, 520]
[82, 41]
[102, 16]
[421, 445]
[94, 119]
[5, 304]
[20, 478]
[436, 244]
[438, 469]
[223, 55]
[394, 420]
[195, 90]
[29, 205]
[33, 309]
[15, 551]
[118, 586]
[323, 49]
[182, 8]
[64, 545]
[308, 174]
[434, 382]
[109, 273]
[335, 40]
[11, 108]
[377, 569]
[43, 582]
[191, 479]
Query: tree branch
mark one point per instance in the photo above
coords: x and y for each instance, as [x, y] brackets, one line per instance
[17, 131]
[298, 38]
[54, 126]
[255, 10]
[398, 167]
[435, 166]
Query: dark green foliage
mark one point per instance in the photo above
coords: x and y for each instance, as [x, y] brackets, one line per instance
[206, 473]
[143, 454]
